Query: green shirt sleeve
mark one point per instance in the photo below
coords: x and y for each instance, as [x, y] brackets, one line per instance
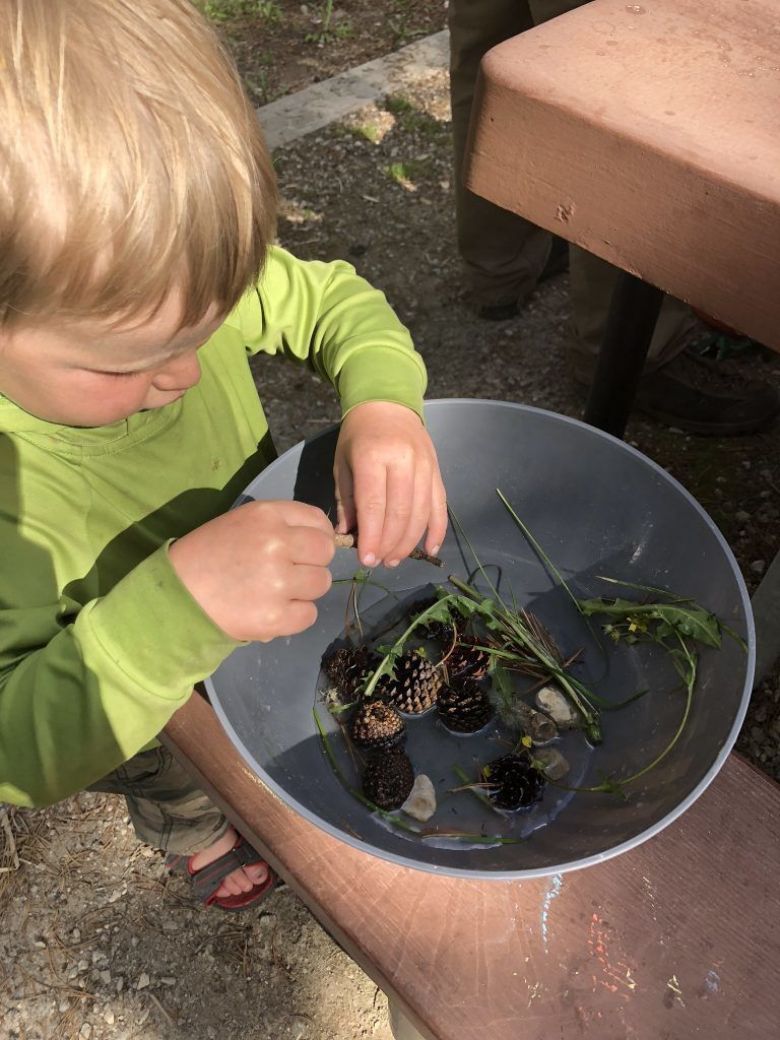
[79, 696]
[328, 316]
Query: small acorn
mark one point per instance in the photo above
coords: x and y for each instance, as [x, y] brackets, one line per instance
[377, 726]
[388, 779]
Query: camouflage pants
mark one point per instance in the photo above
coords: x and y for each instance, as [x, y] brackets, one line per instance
[167, 809]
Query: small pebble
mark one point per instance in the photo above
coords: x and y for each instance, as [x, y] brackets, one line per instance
[109, 1017]
[143, 981]
[758, 566]
[421, 803]
[554, 764]
[741, 516]
[85, 1032]
[555, 704]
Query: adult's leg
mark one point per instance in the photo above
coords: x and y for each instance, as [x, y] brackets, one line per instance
[503, 254]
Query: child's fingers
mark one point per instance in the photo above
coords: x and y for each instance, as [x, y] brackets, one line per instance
[370, 503]
[310, 545]
[419, 509]
[437, 523]
[401, 482]
[307, 582]
[346, 516]
[298, 514]
[298, 615]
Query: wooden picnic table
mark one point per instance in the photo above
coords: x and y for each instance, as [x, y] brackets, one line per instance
[649, 134]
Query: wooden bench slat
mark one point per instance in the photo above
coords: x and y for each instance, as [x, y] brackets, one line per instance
[678, 938]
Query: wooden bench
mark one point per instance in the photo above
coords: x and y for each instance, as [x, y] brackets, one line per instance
[648, 134]
[676, 939]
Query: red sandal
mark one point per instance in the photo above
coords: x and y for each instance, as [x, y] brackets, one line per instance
[207, 880]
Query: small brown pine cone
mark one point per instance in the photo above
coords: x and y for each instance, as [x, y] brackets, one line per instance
[514, 783]
[467, 659]
[377, 726]
[416, 685]
[349, 669]
[464, 707]
[388, 779]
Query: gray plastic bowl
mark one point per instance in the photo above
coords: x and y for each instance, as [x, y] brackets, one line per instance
[598, 507]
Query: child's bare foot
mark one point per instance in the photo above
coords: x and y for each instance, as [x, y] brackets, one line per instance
[243, 879]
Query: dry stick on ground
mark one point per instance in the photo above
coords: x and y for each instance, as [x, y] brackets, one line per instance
[347, 541]
[11, 852]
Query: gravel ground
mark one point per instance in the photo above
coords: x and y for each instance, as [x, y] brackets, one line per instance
[94, 942]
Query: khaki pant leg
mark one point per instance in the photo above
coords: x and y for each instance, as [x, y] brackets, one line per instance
[167, 809]
[502, 253]
[592, 282]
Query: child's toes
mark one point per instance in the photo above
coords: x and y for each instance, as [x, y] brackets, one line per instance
[257, 873]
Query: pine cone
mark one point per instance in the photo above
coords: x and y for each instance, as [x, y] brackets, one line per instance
[464, 707]
[349, 669]
[377, 726]
[439, 631]
[388, 779]
[416, 686]
[467, 659]
[514, 783]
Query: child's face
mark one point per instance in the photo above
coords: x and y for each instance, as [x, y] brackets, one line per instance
[93, 373]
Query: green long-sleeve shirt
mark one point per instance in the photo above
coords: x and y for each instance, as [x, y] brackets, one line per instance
[99, 640]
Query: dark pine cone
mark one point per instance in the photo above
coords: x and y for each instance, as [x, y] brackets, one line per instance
[464, 707]
[388, 779]
[377, 726]
[416, 686]
[467, 659]
[349, 669]
[514, 783]
[439, 631]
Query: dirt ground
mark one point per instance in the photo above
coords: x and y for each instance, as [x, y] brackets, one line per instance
[95, 942]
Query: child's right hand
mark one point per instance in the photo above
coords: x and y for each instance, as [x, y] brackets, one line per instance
[257, 569]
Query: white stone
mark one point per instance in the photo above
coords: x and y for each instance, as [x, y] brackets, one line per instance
[555, 703]
[85, 1032]
[421, 803]
[143, 981]
[108, 1017]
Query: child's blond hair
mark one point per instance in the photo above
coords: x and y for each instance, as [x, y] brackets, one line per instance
[131, 163]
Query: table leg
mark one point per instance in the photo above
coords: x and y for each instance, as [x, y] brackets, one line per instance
[766, 611]
[632, 317]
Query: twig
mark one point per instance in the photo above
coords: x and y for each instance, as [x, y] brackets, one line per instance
[347, 541]
[9, 837]
[166, 1014]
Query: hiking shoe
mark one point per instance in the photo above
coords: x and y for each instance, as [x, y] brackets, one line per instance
[698, 395]
[557, 263]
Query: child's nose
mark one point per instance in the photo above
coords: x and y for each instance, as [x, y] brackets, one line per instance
[179, 373]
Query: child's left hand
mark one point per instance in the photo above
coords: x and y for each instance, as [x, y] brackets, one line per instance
[388, 483]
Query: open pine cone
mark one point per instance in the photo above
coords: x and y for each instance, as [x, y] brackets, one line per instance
[514, 783]
[464, 707]
[415, 684]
